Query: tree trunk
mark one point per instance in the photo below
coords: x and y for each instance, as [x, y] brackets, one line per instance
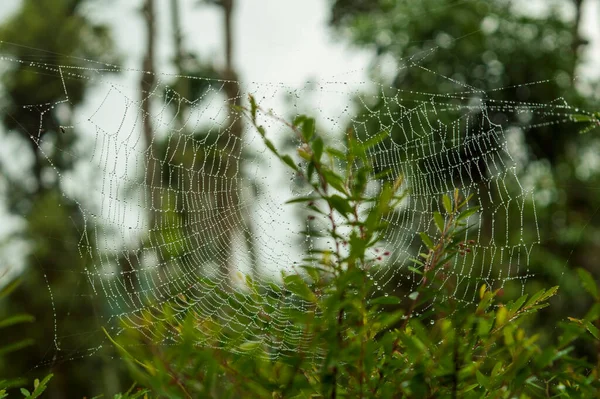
[230, 144]
[577, 41]
[152, 176]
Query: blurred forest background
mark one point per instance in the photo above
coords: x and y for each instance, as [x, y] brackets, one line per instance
[489, 44]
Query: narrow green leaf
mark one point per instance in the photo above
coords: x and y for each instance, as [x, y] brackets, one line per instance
[310, 170]
[253, 107]
[298, 286]
[439, 221]
[382, 175]
[317, 147]
[313, 272]
[482, 379]
[15, 346]
[373, 141]
[466, 213]
[250, 346]
[301, 199]
[582, 118]
[550, 292]
[271, 146]
[340, 204]
[417, 261]
[386, 300]
[592, 329]
[10, 287]
[415, 270]
[469, 388]
[16, 319]
[308, 128]
[289, 162]
[535, 298]
[333, 179]
[447, 204]
[335, 153]
[588, 282]
[25, 392]
[426, 240]
[515, 306]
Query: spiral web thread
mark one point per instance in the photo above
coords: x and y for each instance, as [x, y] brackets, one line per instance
[150, 241]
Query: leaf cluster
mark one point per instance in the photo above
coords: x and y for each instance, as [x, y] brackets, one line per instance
[345, 337]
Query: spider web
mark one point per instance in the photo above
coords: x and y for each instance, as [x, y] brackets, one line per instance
[184, 218]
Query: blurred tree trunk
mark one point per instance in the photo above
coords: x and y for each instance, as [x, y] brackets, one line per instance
[577, 41]
[182, 85]
[152, 173]
[230, 146]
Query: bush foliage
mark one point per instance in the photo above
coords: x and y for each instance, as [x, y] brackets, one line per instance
[358, 342]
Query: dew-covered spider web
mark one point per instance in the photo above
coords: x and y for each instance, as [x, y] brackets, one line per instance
[181, 214]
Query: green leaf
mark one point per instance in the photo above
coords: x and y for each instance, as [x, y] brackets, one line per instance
[550, 292]
[592, 329]
[373, 141]
[383, 174]
[313, 272]
[253, 107]
[271, 146]
[417, 261]
[426, 240]
[515, 306]
[466, 213]
[317, 147]
[308, 128]
[289, 162]
[439, 221]
[469, 388]
[40, 387]
[386, 300]
[15, 346]
[415, 270]
[250, 346]
[482, 380]
[25, 392]
[298, 120]
[340, 204]
[295, 284]
[301, 199]
[310, 170]
[333, 179]
[335, 153]
[447, 204]
[16, 319]
[10, 287]
[540, 296]
[582, 118]
[588, 282]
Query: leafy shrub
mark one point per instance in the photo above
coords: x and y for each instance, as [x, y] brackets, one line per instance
[360, 345]
[5, 347]
[356, 341]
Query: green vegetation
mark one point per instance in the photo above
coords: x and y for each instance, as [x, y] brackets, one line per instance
[353, 338]
[357, 341]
